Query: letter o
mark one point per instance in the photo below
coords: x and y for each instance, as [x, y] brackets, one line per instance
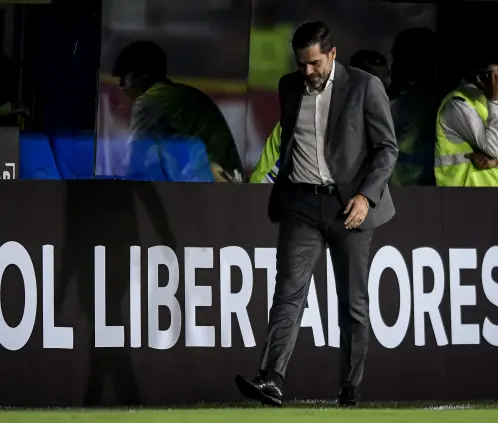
[14, 338]
[389, 336]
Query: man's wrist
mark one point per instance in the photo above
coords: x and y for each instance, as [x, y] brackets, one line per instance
[367, 201]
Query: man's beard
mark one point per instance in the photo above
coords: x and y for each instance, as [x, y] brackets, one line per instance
[319, 81]
[315, 82]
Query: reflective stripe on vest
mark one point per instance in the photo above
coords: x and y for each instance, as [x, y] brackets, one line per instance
[451, 168]
[451, 160]
[272, 174]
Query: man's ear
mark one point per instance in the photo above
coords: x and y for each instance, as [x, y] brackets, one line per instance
[333, 53]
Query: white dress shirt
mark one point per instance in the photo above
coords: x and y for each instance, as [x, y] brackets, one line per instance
[309, 164]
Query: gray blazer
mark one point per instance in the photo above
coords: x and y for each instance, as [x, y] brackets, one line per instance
[361, 147]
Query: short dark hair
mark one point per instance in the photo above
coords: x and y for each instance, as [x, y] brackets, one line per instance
[312, 33]
[140, 58]
[480, 58]
[365, 59]
[477, 62]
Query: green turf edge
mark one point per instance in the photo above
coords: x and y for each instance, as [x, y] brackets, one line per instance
[308, 404]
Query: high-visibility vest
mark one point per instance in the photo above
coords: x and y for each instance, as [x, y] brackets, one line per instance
[415, 142]
[269, 56]
[405, 171]
[266, 170]
[451, 167]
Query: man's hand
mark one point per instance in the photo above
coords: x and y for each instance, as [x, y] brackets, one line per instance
[221, 175]
[235, 177]
[357, 208]
[481, 161]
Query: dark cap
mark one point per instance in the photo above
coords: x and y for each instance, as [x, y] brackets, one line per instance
[365, 58]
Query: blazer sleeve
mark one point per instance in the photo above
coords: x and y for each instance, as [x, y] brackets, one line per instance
[381, 135]
[282, 91]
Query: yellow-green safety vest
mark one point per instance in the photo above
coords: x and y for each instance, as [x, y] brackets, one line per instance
[406, 171]
[266, 170]
[451, 167]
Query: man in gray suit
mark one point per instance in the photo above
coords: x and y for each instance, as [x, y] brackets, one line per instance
[338, 150]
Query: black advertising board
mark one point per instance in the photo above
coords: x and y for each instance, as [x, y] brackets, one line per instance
[116, 292]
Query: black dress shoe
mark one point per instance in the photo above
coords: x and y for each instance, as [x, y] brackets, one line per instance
[266, 392]
[348, 397]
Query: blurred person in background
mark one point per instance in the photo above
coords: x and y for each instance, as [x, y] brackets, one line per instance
[270, 55]
[374, 63]
[162, 108]
[466, 152]
[267, 168]
[414, 105]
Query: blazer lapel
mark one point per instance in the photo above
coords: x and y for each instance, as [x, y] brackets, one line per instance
[340, 90]
[294, 98]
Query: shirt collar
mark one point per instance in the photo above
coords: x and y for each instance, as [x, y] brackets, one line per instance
[311, 90]
[472, 90]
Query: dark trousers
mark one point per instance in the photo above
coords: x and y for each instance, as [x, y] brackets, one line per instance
[309, 222]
